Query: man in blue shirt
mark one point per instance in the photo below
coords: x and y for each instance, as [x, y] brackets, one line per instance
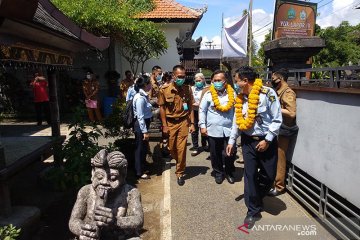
[258, 138]
[216, 111]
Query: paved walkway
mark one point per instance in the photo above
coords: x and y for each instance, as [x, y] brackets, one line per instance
[202, 209]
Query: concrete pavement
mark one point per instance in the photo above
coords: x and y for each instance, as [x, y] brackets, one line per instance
[202, 209]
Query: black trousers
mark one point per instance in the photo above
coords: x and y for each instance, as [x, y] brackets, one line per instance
[42, 108]
[220, 162]
[195, 134]
[141, 147]
[259, 173]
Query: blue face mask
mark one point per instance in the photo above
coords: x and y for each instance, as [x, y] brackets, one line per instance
[158, 78]
[199, 84]
[180, 81]
[236, 88]
[218, 85]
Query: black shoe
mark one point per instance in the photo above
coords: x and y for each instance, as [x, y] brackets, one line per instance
[273, 192]
[180, 181]
[249, 221]
[219, 178]
[230, 178]
[206, 148]
[195, 153]
[192, 148]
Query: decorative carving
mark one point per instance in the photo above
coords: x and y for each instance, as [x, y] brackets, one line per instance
[24, 53]
[187, 46]
[108, 208]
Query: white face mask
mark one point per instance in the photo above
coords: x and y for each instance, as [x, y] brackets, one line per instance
[88, 76]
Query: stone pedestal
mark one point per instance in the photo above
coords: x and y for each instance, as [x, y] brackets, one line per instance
[293, 53]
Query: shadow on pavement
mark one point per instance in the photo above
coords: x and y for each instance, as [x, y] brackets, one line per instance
[274, 205]
[193, 171]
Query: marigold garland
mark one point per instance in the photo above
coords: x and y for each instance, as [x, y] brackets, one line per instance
[253, 101]
[215, 98]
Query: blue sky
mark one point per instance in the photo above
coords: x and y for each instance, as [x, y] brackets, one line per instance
[332, 12]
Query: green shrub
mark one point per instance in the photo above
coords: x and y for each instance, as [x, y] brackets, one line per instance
[82, 144]
[9, 232]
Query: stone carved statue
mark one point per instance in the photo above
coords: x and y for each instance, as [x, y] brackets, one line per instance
[108, 208]
[186, 43]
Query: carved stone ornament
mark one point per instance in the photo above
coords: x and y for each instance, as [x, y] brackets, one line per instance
[108, 208]
[188, 43]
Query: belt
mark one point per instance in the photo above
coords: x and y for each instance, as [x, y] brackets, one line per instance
[256, 138]
[176, 119]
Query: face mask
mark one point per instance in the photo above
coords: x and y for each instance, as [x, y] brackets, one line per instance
[199, 84]
[236, 88]
[158, 78]
[218, 85]
[180, 81]
[88, 76]
[275, 84]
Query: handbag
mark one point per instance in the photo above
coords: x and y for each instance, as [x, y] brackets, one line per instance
[91, 103]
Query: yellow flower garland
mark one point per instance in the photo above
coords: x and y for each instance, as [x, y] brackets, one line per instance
[215, 98]
[253, 101]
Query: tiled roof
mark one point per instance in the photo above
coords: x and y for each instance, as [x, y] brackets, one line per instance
[169, 9]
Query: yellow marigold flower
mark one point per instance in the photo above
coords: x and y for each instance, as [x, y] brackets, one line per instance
[216, 101]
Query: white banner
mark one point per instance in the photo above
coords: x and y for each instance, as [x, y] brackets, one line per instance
[234, 38]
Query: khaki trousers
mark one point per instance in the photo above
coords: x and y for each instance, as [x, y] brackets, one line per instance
[283, 144]
[178, 134]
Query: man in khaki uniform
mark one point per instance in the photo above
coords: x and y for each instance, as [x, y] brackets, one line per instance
[176, 101]
[288, 128]
[155, 79]
[127, 82]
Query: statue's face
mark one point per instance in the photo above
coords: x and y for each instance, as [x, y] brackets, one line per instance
[104, 181]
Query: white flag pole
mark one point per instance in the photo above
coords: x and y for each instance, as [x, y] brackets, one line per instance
[222, 33]
[250, 32]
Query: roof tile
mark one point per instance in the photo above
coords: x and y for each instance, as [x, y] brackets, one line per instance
[165, 9]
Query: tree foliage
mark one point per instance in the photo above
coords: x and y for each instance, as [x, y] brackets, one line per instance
[342, 45]
[140, 39]
[259, 59]
[141, 45]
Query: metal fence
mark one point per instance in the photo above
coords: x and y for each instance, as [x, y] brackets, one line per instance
[336, 212]
[339, 77]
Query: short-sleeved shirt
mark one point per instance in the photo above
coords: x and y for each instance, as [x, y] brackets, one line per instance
[217, 123]
[287, 99]
[268, 117]
[173, 99]
[154, 89]
[91, 88]
[40, 91]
